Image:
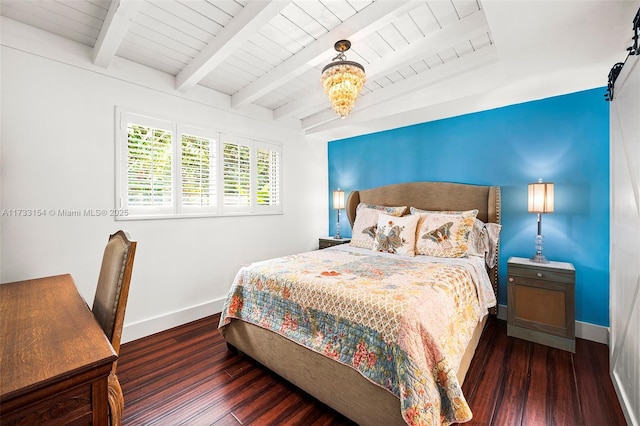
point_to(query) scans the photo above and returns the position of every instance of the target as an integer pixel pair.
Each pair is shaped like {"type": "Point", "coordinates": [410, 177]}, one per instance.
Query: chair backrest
{"type": "Point", "coordinates": [110, 301]}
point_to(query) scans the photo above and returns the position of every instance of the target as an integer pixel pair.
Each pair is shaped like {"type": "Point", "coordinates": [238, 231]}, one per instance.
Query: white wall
{"type": "Point", "coordinates": [57, 152]}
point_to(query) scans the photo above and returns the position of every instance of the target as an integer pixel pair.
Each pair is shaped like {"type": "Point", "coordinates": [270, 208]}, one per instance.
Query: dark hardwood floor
{"type": "Point", "coordinates": [186, 376]}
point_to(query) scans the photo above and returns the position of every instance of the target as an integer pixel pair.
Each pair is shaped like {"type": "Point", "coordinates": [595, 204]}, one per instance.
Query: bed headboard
{"type": "Point", "coordinates": [435, 196]}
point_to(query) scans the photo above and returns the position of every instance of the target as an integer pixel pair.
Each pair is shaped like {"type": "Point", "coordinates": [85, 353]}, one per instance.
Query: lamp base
{"type": "Point", "coordinates": [538, 258]}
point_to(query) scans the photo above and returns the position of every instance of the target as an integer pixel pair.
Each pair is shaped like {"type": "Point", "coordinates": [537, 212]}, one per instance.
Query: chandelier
{"type": "Point", "coordinates": [342, 80]}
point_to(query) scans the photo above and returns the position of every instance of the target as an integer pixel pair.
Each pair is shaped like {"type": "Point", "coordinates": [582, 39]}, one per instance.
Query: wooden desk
{"type": "Point", "coordinates": [54, 357]}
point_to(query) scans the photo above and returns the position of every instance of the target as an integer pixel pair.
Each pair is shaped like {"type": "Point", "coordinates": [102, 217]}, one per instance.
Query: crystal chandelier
{"type": "Point", "coordinates": [342, 80]}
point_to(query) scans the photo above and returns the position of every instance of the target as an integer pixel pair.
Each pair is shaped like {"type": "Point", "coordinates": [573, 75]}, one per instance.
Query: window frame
{"type": "Point", "coordinates": [178, 209]}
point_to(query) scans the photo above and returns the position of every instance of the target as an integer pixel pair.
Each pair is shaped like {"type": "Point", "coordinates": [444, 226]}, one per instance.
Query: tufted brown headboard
{"type": "Point", "coordinates": [435, 196]}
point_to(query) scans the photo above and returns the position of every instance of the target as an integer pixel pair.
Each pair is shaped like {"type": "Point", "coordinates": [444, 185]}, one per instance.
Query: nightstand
{"type": "Point", "coordinates": [325, 242]}
{"type": "Point", "coordinates": [541, 298]}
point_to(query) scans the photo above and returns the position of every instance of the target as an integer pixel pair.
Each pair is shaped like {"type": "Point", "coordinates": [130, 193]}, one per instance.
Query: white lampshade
{"type": "Point", "coordinates": [541, 197]}
{"type": "Point", "coordinates": [338, 199]}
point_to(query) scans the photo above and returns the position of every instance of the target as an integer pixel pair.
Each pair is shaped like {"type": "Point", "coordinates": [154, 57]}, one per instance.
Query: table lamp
{"type": "Point", "coordinates": [338, 203]}
{"type": "Point", "coordinates": [540, 201]}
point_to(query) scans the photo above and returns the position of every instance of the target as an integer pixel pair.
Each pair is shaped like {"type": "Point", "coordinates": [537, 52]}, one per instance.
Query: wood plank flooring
{"type": "Point", "coordinates": [186, 376]}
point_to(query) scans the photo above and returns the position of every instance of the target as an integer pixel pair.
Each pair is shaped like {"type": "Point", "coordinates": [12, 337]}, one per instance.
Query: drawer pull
{"type": "Point", "coordinates": [539, 274]}
{"type": "Point", "coordinates": [510, 279]}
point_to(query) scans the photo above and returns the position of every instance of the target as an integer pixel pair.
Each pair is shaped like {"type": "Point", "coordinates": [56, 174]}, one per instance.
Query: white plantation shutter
{"type": "Point", "coordinates": [267, 177]}
{"type": "Point", "coordinates": [149, 182]}
{"type": "Point", "coordinates": [168, 169]}
{"type": "Point", "coordinates": [236, 173]}
{"type": "Point", "coordinates": [198, 156]}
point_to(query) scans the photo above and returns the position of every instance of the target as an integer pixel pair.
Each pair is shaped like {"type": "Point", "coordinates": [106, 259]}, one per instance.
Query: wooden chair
{"type": "Point", "coordinates": [110, 303]}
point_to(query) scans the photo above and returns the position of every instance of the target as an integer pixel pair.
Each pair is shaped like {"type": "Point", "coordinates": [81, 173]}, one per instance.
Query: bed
{"type": "Point", "coordinates": [347, 376]}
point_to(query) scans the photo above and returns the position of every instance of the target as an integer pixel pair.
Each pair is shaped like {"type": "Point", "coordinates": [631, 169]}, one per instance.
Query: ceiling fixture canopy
{"type": "Point", "coordinates": [342, 80]}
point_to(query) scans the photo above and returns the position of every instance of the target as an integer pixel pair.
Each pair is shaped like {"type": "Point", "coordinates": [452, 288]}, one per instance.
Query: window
{"type": "Point", "coordinates": [268, 176]}
{"type": "Point", "coordinates": [149, 166]}
{"type": "Point", "coordinates": [168, 169]}
{"type": "Point", "coordinates": [236, 174]}
{"type": "Point", "coordinates": [198, 171]}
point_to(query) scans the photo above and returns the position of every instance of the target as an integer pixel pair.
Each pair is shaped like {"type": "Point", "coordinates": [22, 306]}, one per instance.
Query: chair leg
{"type": "Point", "coordinates": [116, 400]}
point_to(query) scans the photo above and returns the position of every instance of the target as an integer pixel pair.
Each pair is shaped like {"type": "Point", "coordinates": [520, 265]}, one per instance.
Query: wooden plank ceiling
{"type": "Point", "coordinates": [271, 53]}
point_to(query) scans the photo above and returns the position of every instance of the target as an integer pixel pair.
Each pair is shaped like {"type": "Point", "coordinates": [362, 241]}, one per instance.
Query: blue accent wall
{"type": "Point", "coordinates": [564, 139]}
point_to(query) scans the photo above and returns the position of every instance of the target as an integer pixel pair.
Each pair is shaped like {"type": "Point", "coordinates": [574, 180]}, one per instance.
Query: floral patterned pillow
{"type": "Point", "coordinates": [492, 231]}
{"type": "Point", "coordinates": [483, 241]}
{"type": "Point", "coordinates": [396, 235]}
{"type": "Point", "coordinates": [366, 224]}
{"type": "Point", "coordinates": [478, 239]}
{"type": "Point", "coordinates": [445, 234]}
{"type": "Point", "coordinates": [393, 211]}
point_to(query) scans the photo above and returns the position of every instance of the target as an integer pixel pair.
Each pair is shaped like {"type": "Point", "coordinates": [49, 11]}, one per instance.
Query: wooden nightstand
{"type": "Point", "coordinates": [542, 302]}
{"type": "Point", "coordinates": [325, 242]}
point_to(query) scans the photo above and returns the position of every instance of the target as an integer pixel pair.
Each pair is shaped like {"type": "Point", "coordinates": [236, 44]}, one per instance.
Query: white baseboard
{"type": "Point", "coordinates": [593, 332]}
{"type": "Point", "coordinates": [584, 330]}
{"type": "Point", "coordinates": [626, 402]}
{"type": "Point", "coordinates": [164, 322]}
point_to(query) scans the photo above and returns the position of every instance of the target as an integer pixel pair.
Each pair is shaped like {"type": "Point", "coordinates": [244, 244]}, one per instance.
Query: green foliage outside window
{"type": "Point", "coordinates": [198, 171]}
{"type": "Point", "coordinates": [237, 174]}
{"type": "Point", "coordinates": [162, 157]}
{"type": "Point", "coordinates": [149, 166]}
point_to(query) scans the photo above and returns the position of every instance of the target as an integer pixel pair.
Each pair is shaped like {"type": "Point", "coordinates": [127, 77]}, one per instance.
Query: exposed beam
{"type": "Point", "coordinates": [114, 29]}
{"type": "Point", "coordinates": [456, 33]}
{"type": "Point", "coordinates": [363, 23]}
{"type": "Point", "coordinates": [253, 16]}
{"type": "Point", "coordinates": [328, 119]}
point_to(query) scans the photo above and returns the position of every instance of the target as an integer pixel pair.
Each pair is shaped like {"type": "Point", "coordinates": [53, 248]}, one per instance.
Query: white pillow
{"type": "Point", "coordinates": [493, 234]}
{"type": "Point", "coordinates": [396, 235]}
{"type": "Point", "coordinates": [483, 241]}
{"type": "Point", "coordinates": [478, 239]}
{"type": "Point", "coordinates": [366, 223]}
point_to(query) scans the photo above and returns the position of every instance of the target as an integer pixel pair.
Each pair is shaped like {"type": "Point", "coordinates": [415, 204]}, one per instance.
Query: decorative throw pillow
{"type": "Point", "coordinates": [478, 239]}
{"type": "Point", "coordinates": [445, 234]}
{"type": "Point", "coordinates": [493, 235]}
{"type": "Point", "coordinates": [393, 211]}
{"type": "Point", "coordinates": [396, 234]}
{"type": "Point", "coordinates": [366, 223]}
{"type": "Point", "coordinates": [483, 241]}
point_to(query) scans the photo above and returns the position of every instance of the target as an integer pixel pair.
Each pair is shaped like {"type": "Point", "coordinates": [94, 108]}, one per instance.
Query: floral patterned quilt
{"type": "Point", "coordinates": [402, 322]}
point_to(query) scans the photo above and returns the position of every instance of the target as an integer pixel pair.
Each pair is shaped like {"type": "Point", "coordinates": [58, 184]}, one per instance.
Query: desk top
{"type": "Point", "coordinates": [47, 333]}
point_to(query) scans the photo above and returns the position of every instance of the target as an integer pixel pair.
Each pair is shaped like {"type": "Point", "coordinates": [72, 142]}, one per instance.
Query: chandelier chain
{"type": "Point", "coordinates": [340, 56]}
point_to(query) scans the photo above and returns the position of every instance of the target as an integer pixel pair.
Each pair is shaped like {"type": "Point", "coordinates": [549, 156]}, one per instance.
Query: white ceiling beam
{"type": "Point", "coordinates": [357, 27]}
{"type": "Point", "coordinates": [456, 33]}
{"type": "Point", "coordinates": [252, 17]}
{"type": "Point", "coordinates": [114, 29]}
{"type": "Point", "coordinates": [328, 119]}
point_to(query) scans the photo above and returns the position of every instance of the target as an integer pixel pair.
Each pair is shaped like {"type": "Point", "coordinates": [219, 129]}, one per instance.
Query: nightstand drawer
{"type": "Point", "coordinates": [547, 274]}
